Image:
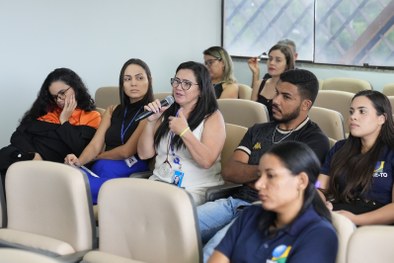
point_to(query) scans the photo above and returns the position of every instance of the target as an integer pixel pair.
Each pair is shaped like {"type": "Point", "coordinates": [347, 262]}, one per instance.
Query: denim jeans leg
{"type": "Point", "coordinates": [213, 216]}
{"type": "Point", "coordinates": [214, 241]}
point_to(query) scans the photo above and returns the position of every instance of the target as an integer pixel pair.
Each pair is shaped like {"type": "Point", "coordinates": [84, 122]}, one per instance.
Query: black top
{"type": "Point", "coordinates": [260, 137]}
{"type": "Point", "coordinates": [52, 141]}
{"type": "Point", "coordinates": [113, 136]}
{"type": "Point", "coordinates": [218, 90]}
{"type": "Point", "coordinates": [263, 100]}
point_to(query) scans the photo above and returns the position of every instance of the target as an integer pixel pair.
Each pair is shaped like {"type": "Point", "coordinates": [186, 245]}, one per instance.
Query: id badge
{"type": "Point", "coordinates": [165, 172]}
{"type": "Point", "coordinates": [177, 178]}
{"type": "Point", "coordinates": [131, 161]}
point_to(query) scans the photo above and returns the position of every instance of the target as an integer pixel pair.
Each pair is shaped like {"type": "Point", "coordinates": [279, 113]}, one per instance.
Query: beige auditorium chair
{"type": "Point", "coordinates": [146, 221]}
{"type": "Point", "coordinates": [49, 210]}
{"type": "Point", "coordinates": [11, 255]}
{"type": "Point", "coordinates": [344, 228]}
{"type": "Point", "coordinates": [107, 96]}
{"type": "Point", "coordinates": [388, 89]}
{"type": "Point", "coordinates": [372, 243]}
{"type": "Point", "coordinates": [321, 81]}
{"type": "Point", "coordinates": [244, 91]}
{"type": "Point", "coordinates": [234, 135]}
{"type": "Point", "coordinates": [3, 210]}
{"type": "Point", "coordinates": [243, 112]}
{"type": "Point", "coordinates": [391, 99]}
{"type": "Point", "coordinates": [346, 84]}
{"type": "Point", "coordinates": [335, 100]}
{"type": "Point", "coordinates": [330, 122]}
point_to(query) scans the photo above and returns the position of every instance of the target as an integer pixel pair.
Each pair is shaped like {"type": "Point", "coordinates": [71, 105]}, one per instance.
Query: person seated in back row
{"type": "Point", "coordinates": [295, 93]}
{"type": "Point", "coordinates": [280, 59]}
{"type": "Point", "coordinates": [118, 131]}
{"type": "Point", "coordinates": [187, 137]}
{"type": "Point", "coordinates": [220, 67]}
{"type": "Point", "coordinates": [357, 175]}
{"type": "Point", "coordinates": [291, 220]}
{"type": "Point", "coordinates": [61, 120]}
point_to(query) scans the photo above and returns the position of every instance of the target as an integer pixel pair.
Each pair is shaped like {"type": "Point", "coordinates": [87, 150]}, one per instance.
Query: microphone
{"type": "Point", "coordinates": [167, 101]}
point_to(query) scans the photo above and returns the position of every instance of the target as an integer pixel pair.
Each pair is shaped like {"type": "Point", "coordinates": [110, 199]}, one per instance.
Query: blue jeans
{"type": "Point", "coordinates": [214, 219]}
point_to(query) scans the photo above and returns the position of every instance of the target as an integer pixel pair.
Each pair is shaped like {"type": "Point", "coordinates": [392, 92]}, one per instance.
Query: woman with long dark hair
{"type": "Point", "coordinates": [357, 176]}
{"type": "Point", "coordinates": [291, 220]}
{"type": "Point", "coordinates": [118, 131]}
{"type": "Point", "coordinates": [61, 120]}
{"type": "Point", "coordinates": [187, 137]}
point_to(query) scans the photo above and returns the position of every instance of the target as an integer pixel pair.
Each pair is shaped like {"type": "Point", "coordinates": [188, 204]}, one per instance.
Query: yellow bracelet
{"type": "Point", "coordinates": [184, 131]}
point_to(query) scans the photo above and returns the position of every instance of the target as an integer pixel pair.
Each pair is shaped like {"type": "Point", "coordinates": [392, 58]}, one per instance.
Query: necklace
{"type": "Point", "coordinates": [285, 137]}
{"type": "Point", "coordinates": [290, 131]}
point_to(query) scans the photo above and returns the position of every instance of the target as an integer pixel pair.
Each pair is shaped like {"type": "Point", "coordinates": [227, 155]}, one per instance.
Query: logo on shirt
{"type": "Point", "coordinates": [378, 171]}
{"type": "Point", "coordinates": [280, 254]}
{"type": "Point", "coordinates": [257, 146]}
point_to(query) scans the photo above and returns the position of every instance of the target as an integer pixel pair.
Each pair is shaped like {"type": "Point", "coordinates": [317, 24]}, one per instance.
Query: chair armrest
{"type": "Point", "coordinates": [145, 174]}
{"type": "Point", "coordinates": [221, 191]}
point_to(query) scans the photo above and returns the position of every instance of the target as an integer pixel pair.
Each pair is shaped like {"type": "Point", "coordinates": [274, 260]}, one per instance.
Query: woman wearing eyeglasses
{"type": "Point", "coordinates": [119, 131]}
{"type": "Point", "coordinates": [61, 120]}
{"type": "Point", "coordinates": [188, 136]}
{"type": "Point", "coordinates": [220, 67]}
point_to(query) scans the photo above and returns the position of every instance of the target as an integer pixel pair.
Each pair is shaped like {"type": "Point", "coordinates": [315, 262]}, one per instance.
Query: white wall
{"type": "Point", "coordinates": [95, 38]}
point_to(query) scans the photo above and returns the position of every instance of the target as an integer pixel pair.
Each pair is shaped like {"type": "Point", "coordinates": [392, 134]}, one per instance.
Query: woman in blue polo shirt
{"type": "Point", "coordinates": [357, 176]}
{"type": "Point", "coordinates": [293, 220]}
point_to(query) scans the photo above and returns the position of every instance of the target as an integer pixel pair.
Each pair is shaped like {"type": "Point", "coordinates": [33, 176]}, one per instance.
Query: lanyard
{"type": "Point", "coordinates": [123, 129]}
{"type": "Point", "coordinates": [171, 145]}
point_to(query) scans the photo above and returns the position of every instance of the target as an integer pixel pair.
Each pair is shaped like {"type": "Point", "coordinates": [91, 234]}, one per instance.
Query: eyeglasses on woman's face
{"type": "Point", "coordinates": [210, 62]}
{"type": "Point", "coordinates": [185, 84]}
{"type": "Point", "coordinates": [60, 95]}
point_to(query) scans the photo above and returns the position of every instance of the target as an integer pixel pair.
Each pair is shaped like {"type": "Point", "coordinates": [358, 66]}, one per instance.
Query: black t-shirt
{"type": "Point", "coordinates": [260, 137]}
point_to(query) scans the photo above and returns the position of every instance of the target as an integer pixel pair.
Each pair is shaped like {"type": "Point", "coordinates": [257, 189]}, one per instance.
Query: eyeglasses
{"type": "Point", "coordinates": [210, 62]}
{"type": "Point", "coordinates": [60, 95]}
{"type": "Point", "coordinates": [185, 84]}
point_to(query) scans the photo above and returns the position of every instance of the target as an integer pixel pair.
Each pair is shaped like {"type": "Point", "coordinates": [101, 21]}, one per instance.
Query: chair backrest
{"type": "Point", "coordinates": [344, 228]}
{"type": "Point", "coordinates": [11, 255]}
{"type": "Point", "coordinates": [3, 207]}
{"type": "Point", "coordinates": [321, 81]}
{"type": "Point", "coordinates": [243, 112]}
{"type": "Point", "coordinates": [161, 95]}
{"type": "Point", "coordinates": [148, 221]}
{"type": "Point", "coordinates": [335, 100]}
{"type": "Point", "coordinates": [346, 84]}
{"type": "Point", "coordinates": [107, 96]}
{"type": "Point", "coordinates": [330, 121]}
{"type": "Point", "coordinates": [388, 89]}
{"type": "Point", "coordinates": [244, 91]}
{"type": "Point", "coordinates": [371, 244]}
{"type": "Point", "coordinates": [234, 135]}
{"type": "Point", "coordinates": [49, 208]}
{"type": "Point", "coordinates": [391, 99]}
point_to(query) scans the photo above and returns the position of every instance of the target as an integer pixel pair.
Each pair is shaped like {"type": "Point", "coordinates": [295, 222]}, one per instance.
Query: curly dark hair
{"type": "Point", "coordinates": [45, 103]}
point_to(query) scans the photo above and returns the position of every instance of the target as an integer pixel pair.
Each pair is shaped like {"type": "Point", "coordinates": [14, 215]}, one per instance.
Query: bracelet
{"type": "Point", "coordinates": [184, 131]}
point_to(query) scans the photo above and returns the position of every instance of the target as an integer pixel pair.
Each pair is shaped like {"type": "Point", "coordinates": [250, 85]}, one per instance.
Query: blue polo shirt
{"type": "Point", "coordinates": [382, 178]}
{"type": "Point", "coordinates": [309, 239]}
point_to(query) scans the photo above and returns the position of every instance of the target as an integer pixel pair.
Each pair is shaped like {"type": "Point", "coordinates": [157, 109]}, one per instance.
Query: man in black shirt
{"type": "Point", "coordinates": [295, 93]}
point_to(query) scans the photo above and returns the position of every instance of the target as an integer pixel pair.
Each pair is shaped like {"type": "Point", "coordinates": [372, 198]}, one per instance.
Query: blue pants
{"type": "Point", "coordinates": [214, 219]}
{"type": "Point", "coordinates": [110, 169]}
